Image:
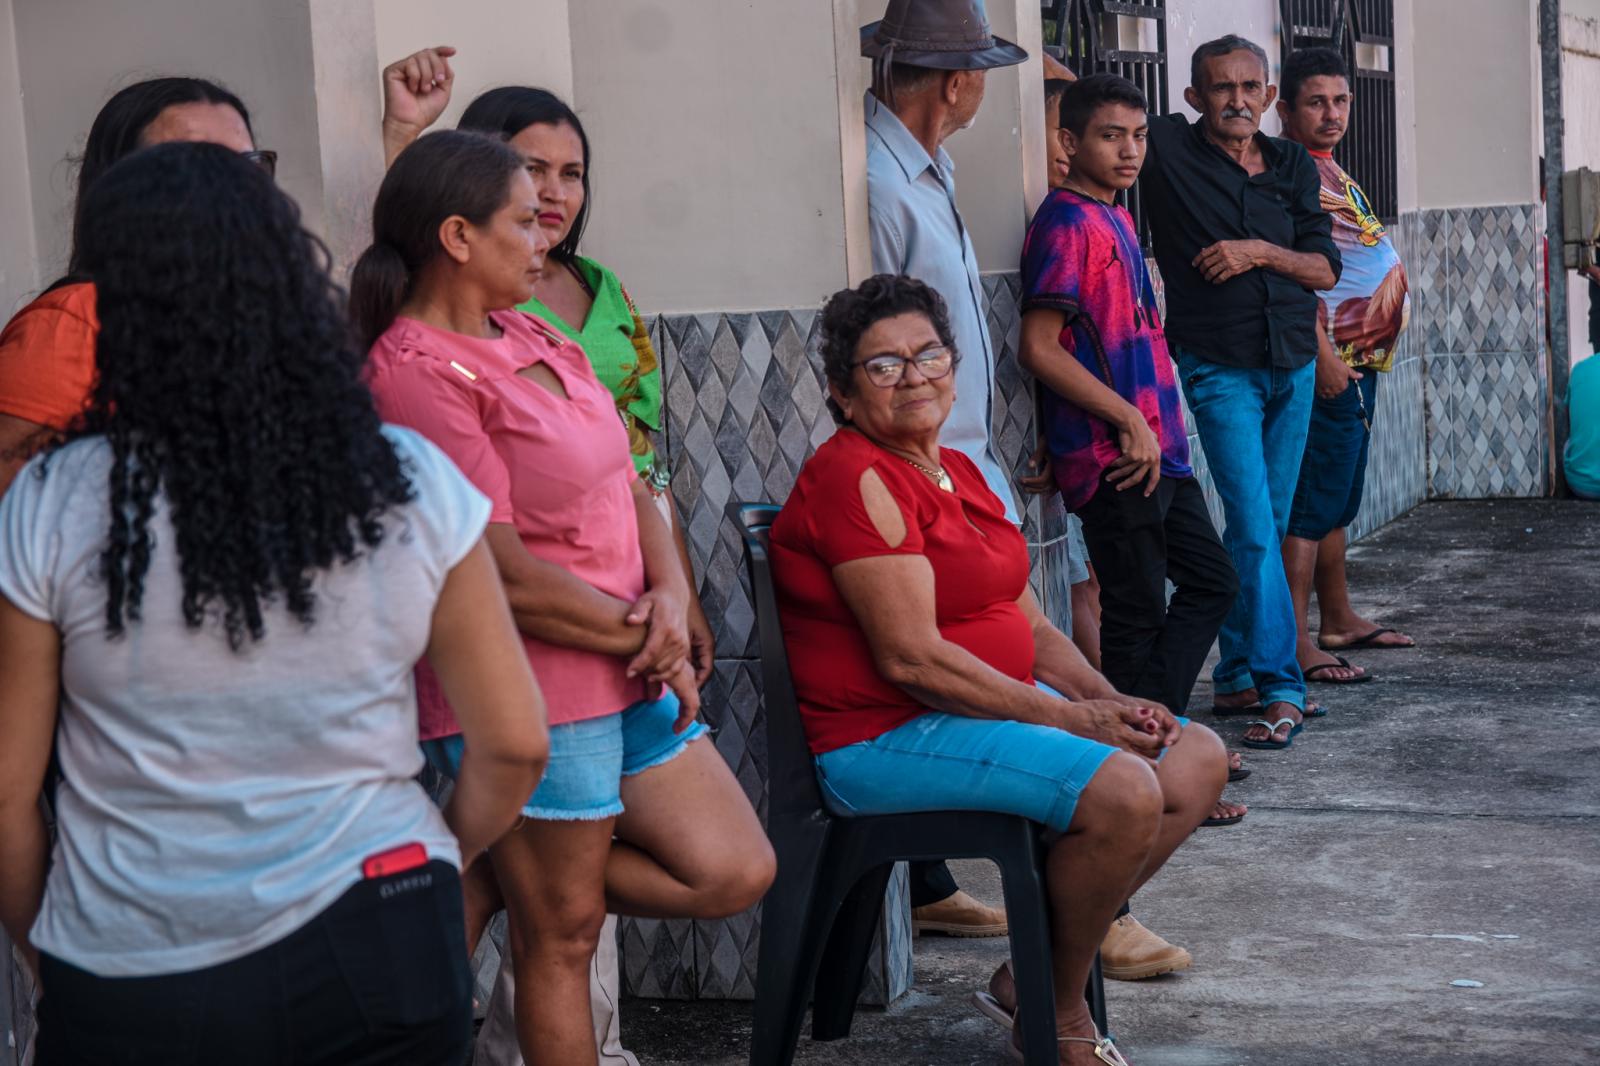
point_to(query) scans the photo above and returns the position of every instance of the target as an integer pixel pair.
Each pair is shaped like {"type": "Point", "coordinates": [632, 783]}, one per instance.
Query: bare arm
{"type": "Point", "coordinates": [18, 438]}
{"type": "Point", "coordinates": [1227, 259]}
{"type": "Point", "coordinates": [1043, 357]}
{"type": "Point", "coordinates": [416, 90]}
{"type": "Point", "coordinates": [1058, 662]}
{"type": "Point", "coordinates": [552, 604]}
{"type": "Point", "coordinates": [892, 597]}
{"type": "Point", "coordinates": [702, 642]}
{"type": "Point", "coordinates": [30, 661]}
{"type": "Point", "coordinates": [484, 673]}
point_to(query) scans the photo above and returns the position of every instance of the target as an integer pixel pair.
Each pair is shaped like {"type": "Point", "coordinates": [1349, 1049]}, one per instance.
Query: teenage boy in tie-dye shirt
{"type": "Point", "coordinates": [1092, 335]}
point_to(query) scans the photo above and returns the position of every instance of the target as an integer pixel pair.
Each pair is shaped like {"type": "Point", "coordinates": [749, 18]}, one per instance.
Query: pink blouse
{"type": "Point", "coordinates": [559, 470]}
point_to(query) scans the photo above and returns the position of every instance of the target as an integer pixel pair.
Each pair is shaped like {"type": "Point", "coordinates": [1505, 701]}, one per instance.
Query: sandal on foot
{"type": "Point", "coordinates": [1313, 709]}
{"type": "Point", "coordinates": [992, 1009]}
{"type": "Point", "coordinates": [1369, 642]}
{"type": "Point", "coordinates": [1240, 774]}
{"type": "Point", "coordinates": [1232, 819]}
{"type": "Point", "coordinates": [1311, 672]}
{"type": "Point", "coordinates": [1104, 1049]}
{"type": "Point", "coordinates": [1272, 744]}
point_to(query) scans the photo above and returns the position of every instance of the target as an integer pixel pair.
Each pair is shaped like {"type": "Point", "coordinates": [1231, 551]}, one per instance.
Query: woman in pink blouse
{"type": "Point", "coordinates": [591, 573]}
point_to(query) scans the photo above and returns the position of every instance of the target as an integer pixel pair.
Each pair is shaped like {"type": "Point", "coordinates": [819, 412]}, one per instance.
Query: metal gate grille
{"type": "Point", "coordinates": [1091, 37]}
{"type": "Point", "coordinates": [1363, 32]}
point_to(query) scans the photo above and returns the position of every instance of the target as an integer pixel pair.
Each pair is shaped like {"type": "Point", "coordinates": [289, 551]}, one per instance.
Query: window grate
{"type": "Point", "coordinates": [1363, 32]}
{"type": "Point", "coordinates": [1113, 37]}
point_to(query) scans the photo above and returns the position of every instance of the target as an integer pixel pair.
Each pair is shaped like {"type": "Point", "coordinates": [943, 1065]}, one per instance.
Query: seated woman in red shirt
{"type": "Point", "coordinates": [928, 677]}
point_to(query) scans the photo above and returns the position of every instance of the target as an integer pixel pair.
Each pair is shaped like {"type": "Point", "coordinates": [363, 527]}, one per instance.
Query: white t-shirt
{"type": "Point", "coordinates": [212, 801]}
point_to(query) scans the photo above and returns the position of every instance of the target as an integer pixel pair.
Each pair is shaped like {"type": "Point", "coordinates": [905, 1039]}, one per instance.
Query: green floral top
{"type": "Point", "coordinates": [618, 346]}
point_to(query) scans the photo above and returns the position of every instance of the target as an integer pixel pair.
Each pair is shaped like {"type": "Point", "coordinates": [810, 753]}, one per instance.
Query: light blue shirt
{"type": "Point", "coordinates": [1583, 445]}
{"type": "Point", "coordinates": [917, 230]}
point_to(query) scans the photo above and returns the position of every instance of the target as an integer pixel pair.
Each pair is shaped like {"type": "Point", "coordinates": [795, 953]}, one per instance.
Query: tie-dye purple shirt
{"type": "Point", "coordinates": [1082, 257]}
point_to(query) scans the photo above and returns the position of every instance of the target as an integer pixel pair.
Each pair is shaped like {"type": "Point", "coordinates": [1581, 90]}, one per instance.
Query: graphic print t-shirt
{"type": "Point", "coordinates": [1364, 313]}
{"type": "Point", "coordinates": [1082, 257]}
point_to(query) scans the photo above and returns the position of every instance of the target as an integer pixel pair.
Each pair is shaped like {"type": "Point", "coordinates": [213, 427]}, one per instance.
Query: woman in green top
{"type": "Point", "coordinates": [576, 294]}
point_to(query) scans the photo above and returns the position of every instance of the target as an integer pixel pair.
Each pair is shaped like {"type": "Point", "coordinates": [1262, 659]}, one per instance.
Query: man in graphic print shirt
{"type": "Point", "coordinates": [1359, 321]}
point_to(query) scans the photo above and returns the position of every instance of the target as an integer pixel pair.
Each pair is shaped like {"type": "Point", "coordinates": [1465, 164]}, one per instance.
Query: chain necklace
{"type": "Point", "coordinates": [938, 477]}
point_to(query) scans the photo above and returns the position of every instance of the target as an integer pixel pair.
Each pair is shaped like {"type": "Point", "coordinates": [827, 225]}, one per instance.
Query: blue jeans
{"type": "Point", "coordinates": [1253, 423]}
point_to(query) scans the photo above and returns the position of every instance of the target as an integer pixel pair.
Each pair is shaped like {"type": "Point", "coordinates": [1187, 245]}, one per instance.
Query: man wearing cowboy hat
{"type": "Point", "coordinates": [928, 63]}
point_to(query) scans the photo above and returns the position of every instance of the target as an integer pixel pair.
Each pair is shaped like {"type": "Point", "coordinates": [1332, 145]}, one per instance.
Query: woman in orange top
{"type": "Point", "coordinates": [47, 350]}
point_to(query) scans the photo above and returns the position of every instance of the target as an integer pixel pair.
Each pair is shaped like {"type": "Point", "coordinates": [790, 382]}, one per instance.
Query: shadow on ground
{"type": "Point", "coordinates": [1441, 824]}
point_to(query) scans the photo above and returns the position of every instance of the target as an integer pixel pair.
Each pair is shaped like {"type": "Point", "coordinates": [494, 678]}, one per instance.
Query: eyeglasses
{"type": "Point", "coordinates": [885, 371]}
{"type": "Point", "coordinates": [264, 158]}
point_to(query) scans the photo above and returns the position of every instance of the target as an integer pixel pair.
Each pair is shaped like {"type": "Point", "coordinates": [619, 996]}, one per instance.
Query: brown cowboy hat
{"type": "Point", "coordinates": [943, 34]}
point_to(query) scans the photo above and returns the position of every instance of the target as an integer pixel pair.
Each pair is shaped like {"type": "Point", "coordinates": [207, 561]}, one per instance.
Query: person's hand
{"type": "Point", "coordinates": [683, 685]}
{"type": "Point", "coordinates": [416, 91]}
{"type": "Point", "coordinates": [1592, 272]}
{"type": "Point", "coordinates": [1334, 377]}
{"type": "Point", "coordinates": [1118, 725]}
{"type": "Point", "coordinates": [1140, 460]}
{"type": "Point", "coordinates": [666, 641]}
{"type": "Point", "coordinates": [1227, 259]}
{"type": "Point", "coordinates": [1042, 481]}
{"type": "Point", "coordinates": [702, 642]}
{"type": "Point", "coordinates": [1153, 717]}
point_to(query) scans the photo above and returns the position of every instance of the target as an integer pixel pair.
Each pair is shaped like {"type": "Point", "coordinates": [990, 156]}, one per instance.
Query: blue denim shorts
{"type": "Point", "coordinates": [944, 762]}
{"type": "Point", "coordinates": [1333, 472]}
{"type": "Point", "coordinates": [589, 759]}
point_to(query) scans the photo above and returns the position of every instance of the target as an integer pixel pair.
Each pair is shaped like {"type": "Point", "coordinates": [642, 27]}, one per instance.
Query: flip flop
{"type": "Point", "coordinates": [1232, 819]}
{"type": "Point", "coordinates": [1312, 710]}
{"type": "Point", "coordinates": [1310, 673]}
{"type": "Point", "coordinates": [1272, 727]}
{"type": "Point", "coordinates": [1368, 642]}
{"type": "Point", "coordinates": [990, 1008]}
{"type": "Point", "coordinates": [1238, 775]}
{"type": "Point", "coordinates": [1104, 1049]}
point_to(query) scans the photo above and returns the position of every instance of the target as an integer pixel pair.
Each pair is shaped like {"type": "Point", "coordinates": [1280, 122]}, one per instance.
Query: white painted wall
{"type": "Point", "coordinates": [716, 142]}
{"type": "Point", "coordinates": [1191, 23]}
{"type": "Point", "coordinates": [1475, 85]}
{"type": "Point", "coordinates": [19, 277]}
{"type": "Point", "coordinates": [262, 51]}
{"type": "Point", "coordinates": [500, 42]}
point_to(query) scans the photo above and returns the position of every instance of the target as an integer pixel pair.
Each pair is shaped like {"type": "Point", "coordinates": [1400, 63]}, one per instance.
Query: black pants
{"type": "Point", "coordinates": [1149, 647]}
{"type": "Point", "coordinates": [381, 976]}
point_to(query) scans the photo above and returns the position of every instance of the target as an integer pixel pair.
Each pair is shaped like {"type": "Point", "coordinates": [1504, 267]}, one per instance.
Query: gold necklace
{"type": "Point", "coordinates": [938, 477]}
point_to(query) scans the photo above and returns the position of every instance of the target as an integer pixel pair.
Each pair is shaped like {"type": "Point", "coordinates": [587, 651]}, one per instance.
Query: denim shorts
{"type": "Point", "coordinates": [945, 762]}
{"type": "Point", "coordinates": [589, 759]}
{"type": "Point", "coordinates": [1077, 552]}
{"type": "Point", "coordinates": [1333, 472]}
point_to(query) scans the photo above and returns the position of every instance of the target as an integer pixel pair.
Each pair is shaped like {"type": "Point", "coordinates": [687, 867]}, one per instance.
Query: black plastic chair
{"type": "Point", "coordinates": [818, 919]}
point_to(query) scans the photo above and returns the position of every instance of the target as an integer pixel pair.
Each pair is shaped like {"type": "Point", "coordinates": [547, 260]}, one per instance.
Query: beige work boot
{"type": "Point", "coordinates": [959, 915]}
{"type": "Point", "coordinates": [1130, 952]}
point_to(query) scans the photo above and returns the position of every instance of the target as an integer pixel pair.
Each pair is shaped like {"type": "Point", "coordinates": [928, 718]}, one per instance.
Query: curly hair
{"type": "Point", "coordinates": [227, 387]}
{"type": "Point", "coordinates": [851, 312]}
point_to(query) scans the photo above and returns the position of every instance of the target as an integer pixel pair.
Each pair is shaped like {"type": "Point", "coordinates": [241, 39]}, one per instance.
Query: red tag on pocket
{"type": "Point", "coordinates": [395, 860]}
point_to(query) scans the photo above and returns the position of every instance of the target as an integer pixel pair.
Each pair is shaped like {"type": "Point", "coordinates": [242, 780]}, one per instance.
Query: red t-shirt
{"type": "Point", "coordinates": [980, 567]}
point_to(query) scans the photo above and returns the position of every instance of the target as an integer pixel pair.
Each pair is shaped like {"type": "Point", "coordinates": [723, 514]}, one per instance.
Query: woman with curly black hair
{"type": "Point", "coordinates": [593, 578]}
{"type": "Point", "coordinates": [226, 577]}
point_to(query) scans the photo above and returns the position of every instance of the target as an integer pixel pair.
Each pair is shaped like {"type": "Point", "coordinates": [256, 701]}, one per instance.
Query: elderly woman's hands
{"type": "Point", "coordinates": [1137, 728]}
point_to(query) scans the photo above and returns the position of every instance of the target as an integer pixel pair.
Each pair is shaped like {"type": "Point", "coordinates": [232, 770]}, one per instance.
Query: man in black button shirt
{"type": "Point", "coordinates": [1243, 245]}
